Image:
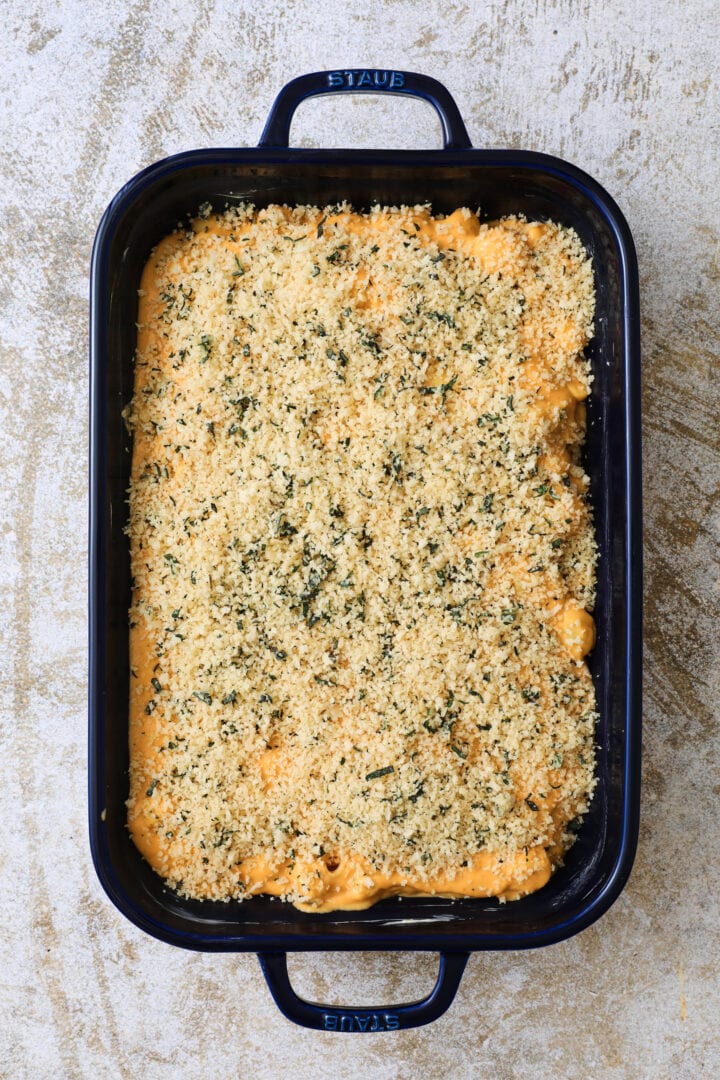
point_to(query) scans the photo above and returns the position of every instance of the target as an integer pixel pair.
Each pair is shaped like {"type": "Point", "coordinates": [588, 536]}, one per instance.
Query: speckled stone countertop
{"type": "Point", "coordinates": [93, 92]}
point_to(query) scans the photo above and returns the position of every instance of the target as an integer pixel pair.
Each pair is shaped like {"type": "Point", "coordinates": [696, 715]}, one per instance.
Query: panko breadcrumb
{"type": "Point", "coordinates": [363, 558]}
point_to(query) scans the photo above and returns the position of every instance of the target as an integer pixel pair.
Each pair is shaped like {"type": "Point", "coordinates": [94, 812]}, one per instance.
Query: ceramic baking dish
{"type": "Point", "coordinates": [499, 182]}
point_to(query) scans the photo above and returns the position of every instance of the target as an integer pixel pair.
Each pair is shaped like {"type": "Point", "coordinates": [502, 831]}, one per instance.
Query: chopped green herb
{"type": "Point", "coordinates": [284, 527]}
{"type": "Point", "coordinates": [336, 254]}
{"type": "Point", "coordinates": [172, 560]}
{"type": "Point", "coordinates": [380, 772]}
{"type": "Point", "coordinates": [443, 389]}
{"type": "Point", "coordinates": [206, 348]}
{"type": "Point", "coordinates": [441, 316]}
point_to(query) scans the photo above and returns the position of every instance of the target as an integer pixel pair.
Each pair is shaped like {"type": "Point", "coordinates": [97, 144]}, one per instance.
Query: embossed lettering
{"type": "Point", "coordinates": [390, 79]}
{"type": "Point", "coordinates": [354, 1022]}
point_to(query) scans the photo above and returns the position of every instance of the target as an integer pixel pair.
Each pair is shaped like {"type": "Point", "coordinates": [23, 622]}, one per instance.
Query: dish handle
{"type": "Point", "coordinates": [364, 81]}
{"type": "Point", "coordinates": [390, 1018]}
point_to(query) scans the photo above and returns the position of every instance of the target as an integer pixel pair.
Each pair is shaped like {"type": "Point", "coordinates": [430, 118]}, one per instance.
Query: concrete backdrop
{"type": "Point", "coordinates": [93, 92]}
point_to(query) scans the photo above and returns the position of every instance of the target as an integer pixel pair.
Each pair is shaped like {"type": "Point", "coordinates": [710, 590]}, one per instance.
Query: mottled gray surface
{"type": "Point", "coordinates": [91, 93]}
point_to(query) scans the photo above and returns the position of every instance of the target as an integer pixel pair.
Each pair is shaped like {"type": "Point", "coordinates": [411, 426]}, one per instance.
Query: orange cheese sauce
{"type": "Point", "coordinates": [552, 380]}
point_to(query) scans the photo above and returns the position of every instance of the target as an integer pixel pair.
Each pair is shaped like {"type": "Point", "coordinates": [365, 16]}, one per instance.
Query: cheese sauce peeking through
{"type": "Point", "coordinates": [363, 560]}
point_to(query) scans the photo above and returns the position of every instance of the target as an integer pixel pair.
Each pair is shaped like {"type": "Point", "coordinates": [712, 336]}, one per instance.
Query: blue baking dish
{"type": "Point", "coordinates": [499, 182]}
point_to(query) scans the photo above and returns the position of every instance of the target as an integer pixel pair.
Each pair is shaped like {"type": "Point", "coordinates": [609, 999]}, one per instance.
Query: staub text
{"type": "Point", "coordinates": [353, 1022]}
{"type": "Point", "coordinates": [383, 80]}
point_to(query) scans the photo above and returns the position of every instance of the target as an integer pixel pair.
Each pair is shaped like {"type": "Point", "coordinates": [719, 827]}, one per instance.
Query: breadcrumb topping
{"type": "Point", "coordinates": [362, 552]}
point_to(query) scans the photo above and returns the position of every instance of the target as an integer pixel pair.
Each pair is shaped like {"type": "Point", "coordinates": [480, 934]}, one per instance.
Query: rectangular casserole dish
{"type": "Point", "coordinates": [500, 183]}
